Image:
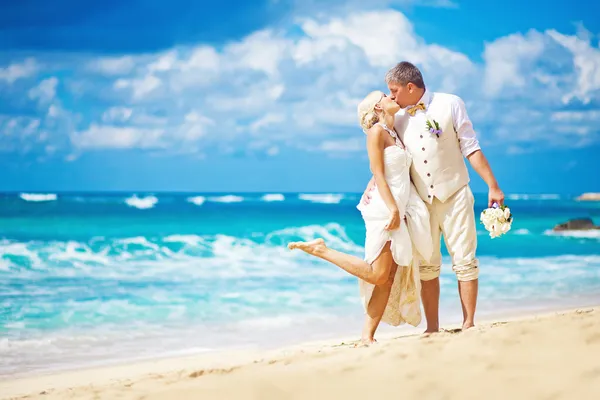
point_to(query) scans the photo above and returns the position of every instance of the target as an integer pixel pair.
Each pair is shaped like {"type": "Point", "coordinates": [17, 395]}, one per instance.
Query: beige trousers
{"type": "Point", "coordinates": [455, 220]}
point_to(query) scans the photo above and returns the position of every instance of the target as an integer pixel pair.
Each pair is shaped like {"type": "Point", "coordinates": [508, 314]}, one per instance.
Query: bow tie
{"type": "Point", "coordinates": [412, 110]}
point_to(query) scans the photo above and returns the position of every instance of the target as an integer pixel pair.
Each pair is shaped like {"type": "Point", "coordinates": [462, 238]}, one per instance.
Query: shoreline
{"type": "Point", "coordinates": [305, 332]}
{"type": "Point", "coordinates": [179, 370]}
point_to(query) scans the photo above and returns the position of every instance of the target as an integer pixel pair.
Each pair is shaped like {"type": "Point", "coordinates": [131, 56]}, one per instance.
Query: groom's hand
{"type": "Point", "coordinates": [495, 195]}
{"type": "Point", "coordinates": [366, 197]}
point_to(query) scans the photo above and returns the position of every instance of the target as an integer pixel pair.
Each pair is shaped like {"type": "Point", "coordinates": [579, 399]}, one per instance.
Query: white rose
{"type": "Point", "coordinates": [498, 213]}
{"type": "Point", "coordinates": [507, 213]}
{"type": "Point", "coordinates": [486, 220]}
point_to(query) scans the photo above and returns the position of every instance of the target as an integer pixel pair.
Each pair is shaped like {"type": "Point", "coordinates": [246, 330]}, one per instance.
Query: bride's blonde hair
{"type": "Point", "coordinates": [367, 115]}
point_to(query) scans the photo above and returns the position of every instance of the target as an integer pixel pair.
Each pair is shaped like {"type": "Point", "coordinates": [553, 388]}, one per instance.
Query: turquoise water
{"type": "Point", "coordinates": [109, 277]}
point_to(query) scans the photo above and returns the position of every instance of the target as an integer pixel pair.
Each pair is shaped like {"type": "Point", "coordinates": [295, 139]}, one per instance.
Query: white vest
{"type": "Point", "coordinates": [438, 168]}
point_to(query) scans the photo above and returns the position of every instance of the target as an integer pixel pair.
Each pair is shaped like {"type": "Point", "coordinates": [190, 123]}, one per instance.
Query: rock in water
{"type": "Point", "coordinates": [581, 224]}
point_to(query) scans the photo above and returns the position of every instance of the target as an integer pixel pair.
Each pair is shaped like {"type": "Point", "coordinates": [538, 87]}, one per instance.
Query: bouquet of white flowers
{"type": "Point", "coordinates": [497, 220]}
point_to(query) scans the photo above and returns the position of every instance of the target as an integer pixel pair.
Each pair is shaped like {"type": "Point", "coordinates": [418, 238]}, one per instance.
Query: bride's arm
{"type": "Point", "coordinates": [375, 147]}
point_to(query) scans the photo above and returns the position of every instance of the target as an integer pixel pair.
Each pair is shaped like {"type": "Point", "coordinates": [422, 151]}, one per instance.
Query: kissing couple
{"type": "Point", "coordinates": [417, 141]}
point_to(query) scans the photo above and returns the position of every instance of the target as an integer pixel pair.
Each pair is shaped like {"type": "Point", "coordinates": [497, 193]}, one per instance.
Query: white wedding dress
{"type": "Point", "coordinates": [410, 243]}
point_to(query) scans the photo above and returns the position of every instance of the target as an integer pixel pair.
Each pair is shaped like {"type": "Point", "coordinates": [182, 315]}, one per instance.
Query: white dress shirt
{"type": "Point", "coordinates": [467, 137]}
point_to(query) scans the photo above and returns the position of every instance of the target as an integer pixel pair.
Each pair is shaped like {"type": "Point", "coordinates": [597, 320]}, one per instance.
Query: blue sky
{"type": "Point", "coordinates": [261, 96]}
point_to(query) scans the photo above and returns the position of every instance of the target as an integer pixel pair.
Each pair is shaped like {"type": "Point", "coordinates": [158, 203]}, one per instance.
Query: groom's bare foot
{"type": "Point", "coordinates": [429, 332]}
{"type": "Point", "coordinates": [314, 247]}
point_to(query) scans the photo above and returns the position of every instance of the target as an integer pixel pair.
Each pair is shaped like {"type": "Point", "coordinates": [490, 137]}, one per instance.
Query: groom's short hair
{"type": "Point", "coordinates": [405, 72]}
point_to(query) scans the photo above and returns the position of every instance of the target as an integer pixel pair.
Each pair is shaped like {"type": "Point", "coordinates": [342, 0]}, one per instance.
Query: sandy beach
{"type": "Point", "coordinates": [549, 356]}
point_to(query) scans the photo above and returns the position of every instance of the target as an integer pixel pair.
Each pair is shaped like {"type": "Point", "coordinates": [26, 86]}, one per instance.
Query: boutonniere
{"type": "Point", "coordinates": [434, 127]}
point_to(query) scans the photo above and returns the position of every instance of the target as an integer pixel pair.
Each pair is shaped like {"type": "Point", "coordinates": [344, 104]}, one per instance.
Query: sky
{"type": "Point", "coordinates": [261, 96]}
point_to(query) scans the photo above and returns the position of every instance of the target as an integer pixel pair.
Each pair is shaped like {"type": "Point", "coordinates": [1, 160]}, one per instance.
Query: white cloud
{"type": "Point", "coordinates": [308, 50]}
{"type": "Point", "coordinates": [254, 100]}
{"type": "Point", "coordinates": [53, 111]}
{"type": "Point", "coordinates": [113, 65]}
{"type": "Point", "coordinates": [194, 127]}
{"type": "Point", "coordinates": [354, 144]}
{"type": "Point", "coordinates": [260, 147]}
{"type": "Point", "coordinates": [202, 58]}
{"type": "Point", "coordinates": [18, 126]}
{"type": "Point", "coordinates": [17, 71]}
{"type": "Point", "coordinates": [267, 120]}
{"type": "Point", "coordinates": [126, 128]}
{"type": "Point", "coordinates": [516, 150]}
{"type": "Point", "coordinates": [299, 87]}
{"type": "Point", "coordinates": [507, 60]}
{"type": "Point", "coordinates": [586, 60]}
{"type": "Point", "coordinates": [253, 85]}
{"type": "Point", "coordinates": [198, 67]}
{"type": "Point", "coordinates": [164, 62]}
{"type": "Point", "coordinates": [117, 114]}
{"type": "Point", "coordinates": [261, 51]}
{"type": "Point", "coordinates": [383, 37]}
{"type": "Point", "coordinates": [114, 137]}
{"type": "Point", "coordinates": [548, 67]}
{"type": "Point", "coordinates": [139, 118]}
{"type": "Point", "coordinates": [19, 134]}
{"type": "Point", "coordinates": [45, 91]}
{"type": "Point", "coordinates": [577, 116]}
{"type": "Point", "coordinates": [140, 87]}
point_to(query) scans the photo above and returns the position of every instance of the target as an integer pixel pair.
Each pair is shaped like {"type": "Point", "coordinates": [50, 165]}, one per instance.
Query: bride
{"type": "Point", "coordinates": [397, 227]}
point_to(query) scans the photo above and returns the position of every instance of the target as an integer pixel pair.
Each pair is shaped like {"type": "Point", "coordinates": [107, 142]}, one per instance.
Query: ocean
{"type": "Point", "coordinates": [101, 278]}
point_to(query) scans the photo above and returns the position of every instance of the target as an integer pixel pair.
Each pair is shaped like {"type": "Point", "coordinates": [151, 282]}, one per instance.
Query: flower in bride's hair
{"type": "Point", "coordinates": [368, 120]}
{"type": "Point", "coordinates": [367, 116]}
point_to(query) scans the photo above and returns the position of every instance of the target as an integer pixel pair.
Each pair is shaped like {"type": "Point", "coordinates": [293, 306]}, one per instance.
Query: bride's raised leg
{"type": "Point", "coordinates": [376, 273]}
{"type": "Point", "coordinates": [376, 308]}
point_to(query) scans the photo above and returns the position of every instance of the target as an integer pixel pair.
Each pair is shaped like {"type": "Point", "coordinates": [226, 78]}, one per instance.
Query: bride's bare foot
{"type": "Point", "coordinates": [366, 342]}
{"type": "Point", "coordinates": [314, 247]}
{"type": "Point", "coordinates": [468, 325]}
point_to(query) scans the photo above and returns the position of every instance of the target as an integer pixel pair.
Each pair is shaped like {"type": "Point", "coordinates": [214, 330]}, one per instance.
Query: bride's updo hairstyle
{"type": "Point", "coordinates": [367, 115]}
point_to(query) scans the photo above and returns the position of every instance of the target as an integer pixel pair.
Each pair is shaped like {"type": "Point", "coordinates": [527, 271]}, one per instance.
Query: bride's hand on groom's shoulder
{"type": "Point", "coordinates": [366, 197]}
{"type": "Point", "coordinates": [495, 195]}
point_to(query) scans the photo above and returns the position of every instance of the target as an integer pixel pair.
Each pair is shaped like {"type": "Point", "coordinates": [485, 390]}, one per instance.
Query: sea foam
{"type": "Point", "coordinates": [273, 197]}
{"type": "Point", "coordinates": [533, 197]}
{"type": "Point", "coordinates": [583, 234]}
{"type": "Point", "coordinates": [139, 296]}
{"type": "Point", "coordinates": [36, 197]}
{"type": "Point", "coordinates": [327, 198]}
{"type": "Point", "coordinates": [141, 203]}
{"type": "Point", "coordinates": [226, 199]}
{"type": "Point", "coordinates": [197, 200]}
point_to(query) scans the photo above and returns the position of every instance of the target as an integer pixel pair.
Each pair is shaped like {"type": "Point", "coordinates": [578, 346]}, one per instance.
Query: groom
{"type": "Point", "coordinates": [437, 131]}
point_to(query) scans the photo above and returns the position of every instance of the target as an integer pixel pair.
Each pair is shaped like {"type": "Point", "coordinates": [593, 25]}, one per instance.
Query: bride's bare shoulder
{"type": "Point", "coordinates": [375, 131]}
{"type": "Point", "coordinates": [375, 137]}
